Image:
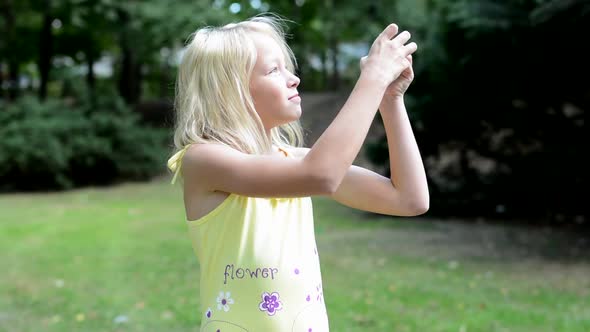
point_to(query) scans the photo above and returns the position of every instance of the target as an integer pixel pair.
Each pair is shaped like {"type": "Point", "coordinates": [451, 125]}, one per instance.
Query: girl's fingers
{"type": "Point", "coordinates": [402, 38]}
{"type": "Point", "coordinates": [409, 49]}
{"type": "Point", "coordinates": [389, 32]}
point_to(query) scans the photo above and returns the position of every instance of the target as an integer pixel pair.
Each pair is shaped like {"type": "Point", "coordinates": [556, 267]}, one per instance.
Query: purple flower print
{"type": "Point", "coordinates": [320, 293]}
{"type": "Point", "coordinates": [224, 300]}
{"type": "Point", "coordinates": [208, 313]}
{"type": "Point", "coordinates": [270, 303]}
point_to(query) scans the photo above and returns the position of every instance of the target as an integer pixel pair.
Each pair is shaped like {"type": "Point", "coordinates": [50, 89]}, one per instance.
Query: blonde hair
{"type": "Point", "coordinates": [213, 102]}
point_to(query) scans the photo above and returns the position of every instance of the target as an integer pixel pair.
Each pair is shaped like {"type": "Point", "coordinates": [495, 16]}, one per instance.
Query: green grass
{"type": "Point", "coordinates": [119, 259]}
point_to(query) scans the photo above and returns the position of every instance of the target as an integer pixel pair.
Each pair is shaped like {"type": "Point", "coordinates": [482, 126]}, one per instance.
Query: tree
{"type": "Point", "coordinates": [500, 90]}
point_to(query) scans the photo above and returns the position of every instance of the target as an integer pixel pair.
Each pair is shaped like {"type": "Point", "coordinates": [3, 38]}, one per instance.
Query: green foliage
{"type": "Point", "coordinates": [54, 145]}
{"type": "Point", "coordinates": [496, 82]}
{"type": "Point", "coordinates": [498, 114]}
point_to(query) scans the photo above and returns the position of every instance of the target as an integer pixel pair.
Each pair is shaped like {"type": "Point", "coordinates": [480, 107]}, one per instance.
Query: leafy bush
{"type": "Point", "coordinates": [54, 145]}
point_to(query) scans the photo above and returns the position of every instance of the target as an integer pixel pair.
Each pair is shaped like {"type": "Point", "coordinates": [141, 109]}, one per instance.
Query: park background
{"type": "Point", "coordinates": [92, 235]}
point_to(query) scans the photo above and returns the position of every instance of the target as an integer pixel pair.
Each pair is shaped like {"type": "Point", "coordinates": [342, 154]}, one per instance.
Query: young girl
{"type": "Point", "coordinates": [248, 181]}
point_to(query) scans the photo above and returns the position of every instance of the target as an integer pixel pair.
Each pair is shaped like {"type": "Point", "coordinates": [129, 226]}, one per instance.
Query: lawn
{"type": "Point", "coordinates": [119, 259]}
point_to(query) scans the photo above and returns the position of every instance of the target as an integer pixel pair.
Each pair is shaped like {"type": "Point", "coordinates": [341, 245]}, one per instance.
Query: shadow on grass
{"type": "Point", "coordinates": [499, 240]}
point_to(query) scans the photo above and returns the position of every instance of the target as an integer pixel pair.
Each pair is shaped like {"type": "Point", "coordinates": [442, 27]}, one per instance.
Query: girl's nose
{"type": "Point", "coordinates": [294, 81]}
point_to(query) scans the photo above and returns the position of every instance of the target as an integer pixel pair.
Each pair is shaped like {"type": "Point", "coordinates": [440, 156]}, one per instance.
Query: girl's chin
{"type": "Point", "coordinates": [290, 115]}
{"type": "Point", "coordinates": [293, 114]}
{"type": "Point", "coordinates": [296, 117]}
{"type": "Point", "coordinates": [289, 120]}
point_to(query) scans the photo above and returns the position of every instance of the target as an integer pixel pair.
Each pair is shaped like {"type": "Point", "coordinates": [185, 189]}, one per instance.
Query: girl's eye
{"type": "Point", "coordinates": [275, 69]}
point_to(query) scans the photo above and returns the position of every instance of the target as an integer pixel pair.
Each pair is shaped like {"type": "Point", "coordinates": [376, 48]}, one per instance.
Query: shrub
{"type": "Point", "coordinates": [53, 145]}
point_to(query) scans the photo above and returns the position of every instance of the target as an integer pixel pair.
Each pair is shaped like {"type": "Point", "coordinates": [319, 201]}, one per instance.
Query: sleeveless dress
{"type": "Point", "coordinates": [260, 269]}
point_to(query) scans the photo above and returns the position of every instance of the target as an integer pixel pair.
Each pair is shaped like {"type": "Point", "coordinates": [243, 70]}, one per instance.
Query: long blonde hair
{"type": "Point", "coordinates": [213, 102]}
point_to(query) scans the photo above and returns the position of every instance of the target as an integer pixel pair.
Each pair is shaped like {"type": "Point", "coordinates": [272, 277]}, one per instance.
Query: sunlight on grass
{"type": "Point", "coordinates": [119, 258]}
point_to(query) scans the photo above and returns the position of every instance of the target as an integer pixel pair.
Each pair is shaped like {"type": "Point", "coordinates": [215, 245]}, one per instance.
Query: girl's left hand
{"type": "Point", "coordinates": [398, 87]}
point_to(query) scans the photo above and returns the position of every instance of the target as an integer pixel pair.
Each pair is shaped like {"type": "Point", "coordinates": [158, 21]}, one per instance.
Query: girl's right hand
{"type": "Point", "coordinates": [388, 56]}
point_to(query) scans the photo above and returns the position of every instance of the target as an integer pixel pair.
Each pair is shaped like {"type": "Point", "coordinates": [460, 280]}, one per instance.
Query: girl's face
{"type": "Point", "coordinates": [272, 86]}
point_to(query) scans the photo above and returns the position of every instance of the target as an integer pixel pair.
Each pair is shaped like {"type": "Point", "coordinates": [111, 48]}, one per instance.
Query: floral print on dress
{"type": "Point", "coordinates": [208, 313]}
{"type": "Point", "coordinates": [319, 292]}
{"type": "Point", "coordinates": [270, 303]}
{"type": "Point", "coordinates": [224, 300]}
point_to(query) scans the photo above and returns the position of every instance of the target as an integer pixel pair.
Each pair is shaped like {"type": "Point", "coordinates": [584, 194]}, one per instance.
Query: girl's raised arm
{"type": "Point", "coordinates": [219, 168]}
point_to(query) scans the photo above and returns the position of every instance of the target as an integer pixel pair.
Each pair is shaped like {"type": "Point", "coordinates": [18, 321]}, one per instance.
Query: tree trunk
{"type": "Point", "coordinates": [2, 95]}
{"type": "Point", "coordinates": [7, 9]}
{"type": "Point", "coordinates": [335, 83]}
{"type": "Point", "coordinates": [90, 77]}
{"type": "Point", "coordinates": [130, 76]}
{"type": "Point", "coordinates": [45, 49]}
{"type": "Point", "coordinates": [324, 57]}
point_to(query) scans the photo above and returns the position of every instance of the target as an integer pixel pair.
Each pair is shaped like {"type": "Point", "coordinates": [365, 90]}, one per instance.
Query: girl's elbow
{"type": "Point", "coordinates": [324, 181]}
{"type": "Point", "coordinates": [419, 207]}
{"type": "Point", "coordinates": [329, 184]}
{"type": "Point", "coordinates": [318, 183]}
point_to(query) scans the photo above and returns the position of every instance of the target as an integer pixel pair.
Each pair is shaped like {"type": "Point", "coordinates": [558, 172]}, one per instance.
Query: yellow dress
{"type": "Point", "coordinates": [260, 269]}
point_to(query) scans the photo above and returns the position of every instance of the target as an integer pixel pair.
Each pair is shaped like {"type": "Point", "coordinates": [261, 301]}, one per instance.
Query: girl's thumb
{"type": "Point", "coordinates": [363, 60]}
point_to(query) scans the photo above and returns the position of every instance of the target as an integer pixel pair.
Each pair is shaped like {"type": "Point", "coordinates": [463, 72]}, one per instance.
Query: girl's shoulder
{"type": "Point", "coordinates": [199, 201]}
{"type": "Point", "coordinates": [196, 152]}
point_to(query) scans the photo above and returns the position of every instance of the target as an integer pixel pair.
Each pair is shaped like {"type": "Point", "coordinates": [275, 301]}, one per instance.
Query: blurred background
{"type": "Point", "coordinates": [497, 107]}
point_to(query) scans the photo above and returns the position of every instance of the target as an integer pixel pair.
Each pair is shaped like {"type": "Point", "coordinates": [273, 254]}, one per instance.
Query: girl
{"type": "Point", "coordinates": [248, 181]}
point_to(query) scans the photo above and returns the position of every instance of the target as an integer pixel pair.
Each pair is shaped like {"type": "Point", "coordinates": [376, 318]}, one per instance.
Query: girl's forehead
{"type": "Point", "coordinates": [267, 47]}
{"type": "Point", "coordinates": [263, 39]}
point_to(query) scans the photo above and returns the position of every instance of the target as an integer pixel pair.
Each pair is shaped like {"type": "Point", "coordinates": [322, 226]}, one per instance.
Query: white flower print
{"type": "Point", "coordinates": [224, 300]}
